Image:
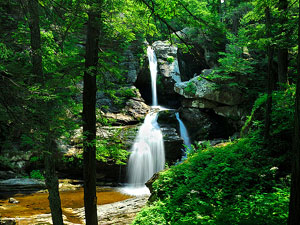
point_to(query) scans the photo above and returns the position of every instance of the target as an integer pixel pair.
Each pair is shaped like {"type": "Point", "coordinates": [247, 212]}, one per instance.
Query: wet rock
{"type": "Point", "coordinates": [7, 221]}
{"type": "Point", "coordinates": [172, 141]}
{"type": "Point", "coordinates": [24, 184]}
{"type": "Point", "coordinates": [151, 181]}
{"type": "Point", "coordinates": [203, 124]}
{"type": "Point", "coordinates": [13, 201]}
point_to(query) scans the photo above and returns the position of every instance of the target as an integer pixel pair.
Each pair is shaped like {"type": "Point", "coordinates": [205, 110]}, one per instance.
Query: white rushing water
{"type": "Point", "coordinates": [153, 72]}
{"type": "Point", "coordinates": [148, 153]}
{"type": "Point", "coordinates": [183, 132]}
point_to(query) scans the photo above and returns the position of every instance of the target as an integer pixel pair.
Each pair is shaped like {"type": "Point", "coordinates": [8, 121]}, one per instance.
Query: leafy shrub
{"type": "Point", "coordinates": [231, 184]}
{"type": "Point", "coordinates": [112, 148]}
{"type": "Point", "coordinates": [36, 174]}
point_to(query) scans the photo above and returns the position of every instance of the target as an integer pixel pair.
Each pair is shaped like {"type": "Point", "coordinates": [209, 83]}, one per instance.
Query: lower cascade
{"type": "Point", "coordinates": [148, 154]}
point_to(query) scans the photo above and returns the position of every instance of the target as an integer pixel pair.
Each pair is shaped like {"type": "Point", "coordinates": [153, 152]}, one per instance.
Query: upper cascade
{"type": "Point", "coordinates": [153, 71]}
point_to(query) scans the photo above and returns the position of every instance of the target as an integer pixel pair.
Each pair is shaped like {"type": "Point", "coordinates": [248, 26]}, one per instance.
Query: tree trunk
{"type": "Point", "coordinates": [270, 79]}
{"type": "Point", "coordinates": [51, 181]}
{"type": "Point", "coordinates": [282, 51]}
{"type": "Point", "coordinates": [294, 209]}
{"type": "Point", "coordinates": [35, 39]}
{"type": "Point", "coordinates": [51, 178]}
{"type": "Point", "coordinates": [89, 119]}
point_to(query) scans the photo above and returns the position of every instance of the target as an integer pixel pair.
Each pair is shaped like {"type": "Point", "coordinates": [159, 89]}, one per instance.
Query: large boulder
{"type": "Point", "coordinates": [223, 100]}
{"type": "Point", "coordinates": [204, 124]}
{"type": "Point", "coordinates": [131, 112]}
{"type": "Point", "coordinates": [21, 184]}
{"type": "Point", "coordinates": [201, 88]}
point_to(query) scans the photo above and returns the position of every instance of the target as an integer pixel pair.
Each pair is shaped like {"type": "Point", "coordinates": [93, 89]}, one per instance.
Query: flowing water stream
{"type": "Point", "coordinates": [147, 155]}
{"type": "Point", "coordinates": [184, 134]}
{"type": "Point", "coordinates": [153, 72]}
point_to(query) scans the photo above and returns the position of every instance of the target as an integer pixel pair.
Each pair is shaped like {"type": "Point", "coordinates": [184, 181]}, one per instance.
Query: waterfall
{"type": "Point", "coordinates": [147, 153]}
{"type": "Point", "coordinates": [183, 132]}
{"type": "Point", "coordinates": [153, 72]}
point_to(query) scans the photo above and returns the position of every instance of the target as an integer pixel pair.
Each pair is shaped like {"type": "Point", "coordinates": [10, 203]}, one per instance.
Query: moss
{"type": "Point", "coordinates": [170, 59]}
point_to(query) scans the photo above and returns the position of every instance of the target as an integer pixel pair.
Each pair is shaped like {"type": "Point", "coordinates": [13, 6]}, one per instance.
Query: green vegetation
{"type": "Point", "coordinates": [190, 88]}
{"type": "Point", "coordinates": [170, 59]}
{"type": "Point", "coordinates": [238, 182]}
{"type": "Point", "coordinates": [36, 174]}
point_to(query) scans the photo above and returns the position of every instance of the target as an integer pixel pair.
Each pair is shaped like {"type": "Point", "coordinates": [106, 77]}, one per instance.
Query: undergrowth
{"type": "Point", "coordinates": [240, 182]}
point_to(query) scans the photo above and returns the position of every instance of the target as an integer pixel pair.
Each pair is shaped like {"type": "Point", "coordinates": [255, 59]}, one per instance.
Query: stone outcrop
{"type": "Point", "coordinates": [168, 75]}
{"type": "Point", "coordinates": [133, 110]}
{"type": "Point", "coordinates": [201, 88]}
{"type": "Point", "coordinates": [172, 141]}
{"type": "Point", "coordinates": [204, 124]}
{"type": "Point", "coordinates": [122, 212]}
{"type": "Point", "coordinates": [223, 100]}
{"type": "Point", "coordinates": [16, 185]}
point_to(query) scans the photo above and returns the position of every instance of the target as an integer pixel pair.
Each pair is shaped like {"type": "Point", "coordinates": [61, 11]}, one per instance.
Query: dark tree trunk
{"type": "Point", "coordinates": [51, 181]}
{"type": "Point", "coordinates": [89, 119]}
{"type": "Point", "coordinates": [35, 39]}
{"type": "Point", "coordinates": [270, 79]}
{"type": "Point", "coordinates": [51, 178]}
{"type": "Point", "coordinates": [294, 209]}
{"type": "Point", "coordinates": [282, 51]}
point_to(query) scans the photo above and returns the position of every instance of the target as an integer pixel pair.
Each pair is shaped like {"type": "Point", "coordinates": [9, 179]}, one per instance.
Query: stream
{"type": "Point", "coordinates": [114, 207]}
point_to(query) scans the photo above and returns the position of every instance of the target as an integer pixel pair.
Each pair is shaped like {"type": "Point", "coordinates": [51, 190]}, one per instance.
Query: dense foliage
{"type": "Point", "coordinates": [238, 182]}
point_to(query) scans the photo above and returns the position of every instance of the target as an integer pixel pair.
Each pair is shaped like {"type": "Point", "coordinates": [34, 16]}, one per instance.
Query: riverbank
{"type": "Point", "coordinates": [114, 207]}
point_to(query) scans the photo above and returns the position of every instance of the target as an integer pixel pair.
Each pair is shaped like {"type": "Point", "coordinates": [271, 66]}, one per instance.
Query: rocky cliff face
{"type": "Point", "coordinates": [202, 94]}
{"type": "Point", "coordinates": [168, 75]}
{"type": "Point", "coordinates": [209, 111]}
{"type": "Point", "coordinates": [172, 140]}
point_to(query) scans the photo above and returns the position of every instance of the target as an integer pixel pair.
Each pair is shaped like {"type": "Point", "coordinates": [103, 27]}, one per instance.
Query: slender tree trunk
{"type": "Point", "coordinates": [89, 119]}
{"type": "Point", "coordinates": [270, 79]}
{"type": "Point", "coordinates": [282, 51]}
{"type": "Point", "coordinates": [294, 209]}
{"type": "Point", "coordinates": [51, 178]}
{"type": "Point", "coordinates": [52, 181]}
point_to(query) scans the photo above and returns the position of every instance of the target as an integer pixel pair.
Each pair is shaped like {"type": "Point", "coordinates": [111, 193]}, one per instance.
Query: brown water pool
{"type": "Point", "coordinates": [37, 203]}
